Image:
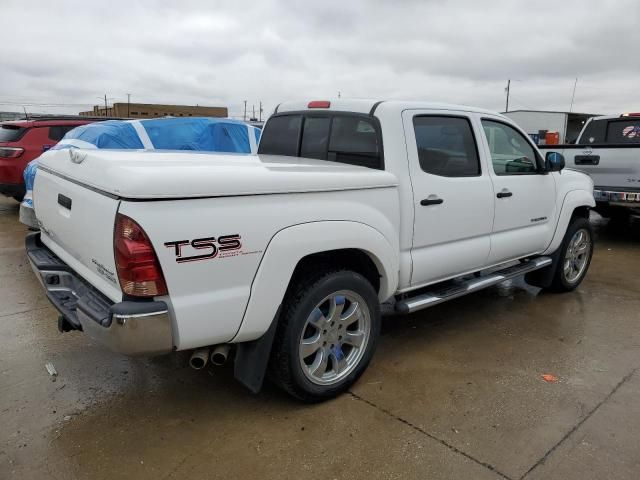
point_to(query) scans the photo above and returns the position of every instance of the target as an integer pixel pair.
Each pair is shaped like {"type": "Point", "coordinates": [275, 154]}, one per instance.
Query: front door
{"type": "Point", "coordinates": [525, 197]}
{"type": "Point", "coordinates": [452, 194]}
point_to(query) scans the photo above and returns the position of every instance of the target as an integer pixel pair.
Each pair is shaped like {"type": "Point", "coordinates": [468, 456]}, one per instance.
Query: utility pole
{"type": "Point", "coordinates": [253, 116]}
{"type": "Point", "coordinates": [244, 116]}
{"type": "Point", "coordinates": [574, 95]}
{"type": "Point", "coordinates": [128, 104]}
{"type": "Point", "coordinates": [105, 104]}
{"type": "Point", "coordinates": [260, 112]}
{"type": "Point", "coordinates": [507, 89]}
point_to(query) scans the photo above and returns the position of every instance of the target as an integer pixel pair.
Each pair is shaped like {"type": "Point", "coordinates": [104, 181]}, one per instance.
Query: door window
{"type": "Point", "coordinates": [511, 153]}
{"type": "Point", "coordinates": [446, 146]}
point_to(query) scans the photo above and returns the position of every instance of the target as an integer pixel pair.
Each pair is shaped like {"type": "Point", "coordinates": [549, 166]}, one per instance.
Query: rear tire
{"type": "Point", "coordinates": [327, 334]}
{"type": "Point", "coordinates": [575, 256]}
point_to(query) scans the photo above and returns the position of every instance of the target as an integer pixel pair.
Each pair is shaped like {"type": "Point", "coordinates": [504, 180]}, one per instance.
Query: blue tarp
{"type": "Point", "coordinates": [202, 134]}
{"type": "Point", "coordinates": [193, 133]}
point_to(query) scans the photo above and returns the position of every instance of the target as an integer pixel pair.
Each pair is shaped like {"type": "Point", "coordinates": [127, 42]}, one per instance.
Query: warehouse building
{"type": "Point", "coordinates": [150, 110]}
{"type": "Point", "coordinates": [537, 123]}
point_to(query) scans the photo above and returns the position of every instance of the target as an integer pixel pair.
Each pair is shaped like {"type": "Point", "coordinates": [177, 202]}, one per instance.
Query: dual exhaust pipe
{"type": "Point", "coordinates": [200, 358]}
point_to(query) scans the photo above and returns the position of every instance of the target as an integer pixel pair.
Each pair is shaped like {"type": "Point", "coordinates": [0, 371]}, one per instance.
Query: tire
{"type": "Point", "coordinates": [572, 266]}
{"type": "Point", "coordinates": [334, 317]}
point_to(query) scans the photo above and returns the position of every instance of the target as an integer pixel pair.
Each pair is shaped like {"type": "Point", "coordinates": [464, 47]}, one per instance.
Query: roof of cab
{"type": "Point", "coordinates": [366, 105]}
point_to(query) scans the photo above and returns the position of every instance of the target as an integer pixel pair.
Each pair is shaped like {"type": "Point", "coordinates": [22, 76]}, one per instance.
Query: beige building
{"type": "Point", "coordinates": [151, 110]}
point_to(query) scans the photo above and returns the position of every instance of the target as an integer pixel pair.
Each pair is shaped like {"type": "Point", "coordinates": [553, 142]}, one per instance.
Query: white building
{"type": "Point", "coordinates": [567, 124]}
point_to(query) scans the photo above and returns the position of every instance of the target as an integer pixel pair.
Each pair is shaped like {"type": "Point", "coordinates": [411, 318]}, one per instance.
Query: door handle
{"type": "Point", "coordinates": [587, 159]}
{"type": "Point", "coordinates": [431, 201]}
{"type": "Point", "coordinates": [504, 194]}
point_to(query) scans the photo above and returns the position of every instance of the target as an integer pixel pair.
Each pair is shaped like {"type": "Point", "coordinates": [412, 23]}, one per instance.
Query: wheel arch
{"type": "Point", "coordinates": [352, 245]}
{"type": "Point", "coordinates": [575, 203]}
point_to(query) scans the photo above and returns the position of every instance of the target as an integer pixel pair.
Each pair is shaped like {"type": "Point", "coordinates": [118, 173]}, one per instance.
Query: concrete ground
{"type": "Point", "coordinates": [454, 392]}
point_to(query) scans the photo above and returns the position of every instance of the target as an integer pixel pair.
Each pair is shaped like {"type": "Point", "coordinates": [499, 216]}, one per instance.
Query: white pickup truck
{"type": "Point", "coordinates": [608, 149]}
{"type": "Point", "coordinates": [289, 254]}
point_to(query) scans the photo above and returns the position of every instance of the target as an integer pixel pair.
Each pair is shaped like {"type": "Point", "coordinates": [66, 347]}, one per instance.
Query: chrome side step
{"type": "Point", "coordinates": [449, 292]}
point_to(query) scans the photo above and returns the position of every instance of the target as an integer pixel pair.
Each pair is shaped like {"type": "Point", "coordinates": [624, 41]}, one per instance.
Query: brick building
{"type": "Point", "coordinates": [151, 110]}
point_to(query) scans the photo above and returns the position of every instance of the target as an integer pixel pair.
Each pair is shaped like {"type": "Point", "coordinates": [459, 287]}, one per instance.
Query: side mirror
{"type": "Point", "coordinates": [554, 161]}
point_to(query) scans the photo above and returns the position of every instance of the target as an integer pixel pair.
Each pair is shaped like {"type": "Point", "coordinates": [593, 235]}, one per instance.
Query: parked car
{"type": "Point", "coordinates": [288, 254]}
{"type": "Point", "coordinates": [23, 140]}
{"type": "Point", "coordinates": [198, 134]}
{"type": "Point", "coordinates": [608, 149]}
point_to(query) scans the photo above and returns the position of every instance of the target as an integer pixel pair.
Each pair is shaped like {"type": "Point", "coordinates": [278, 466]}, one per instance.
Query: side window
{"type": "Point", "coordinates": [354, 141]}
{"type": "Point", "coordinates": [315, 136]}
{"type": "Point", "coordinates": [281, 136]}
{"type": "Point", "coordinates": [446, 146]}
{"type": "Point", "coordinates": [56, 133]}
{"type": "Point", "coordinates": [511, 153]}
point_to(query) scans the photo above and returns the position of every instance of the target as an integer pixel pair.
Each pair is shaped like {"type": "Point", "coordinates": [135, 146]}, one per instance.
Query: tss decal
{"type": "Point", "coordinates": [224, 243]}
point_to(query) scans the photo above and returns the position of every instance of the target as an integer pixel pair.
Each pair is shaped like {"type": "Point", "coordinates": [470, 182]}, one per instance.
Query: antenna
{"type": "Point", "coordinates": [26, 115]}
{"type": "Point", "coordinates": [506, 109]}
{"type": "Point", "coordinates": [574, 94]}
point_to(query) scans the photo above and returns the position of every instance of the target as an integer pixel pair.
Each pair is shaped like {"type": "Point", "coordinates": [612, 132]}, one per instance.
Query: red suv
{"type": "Point", "coordinates": [23, 140]}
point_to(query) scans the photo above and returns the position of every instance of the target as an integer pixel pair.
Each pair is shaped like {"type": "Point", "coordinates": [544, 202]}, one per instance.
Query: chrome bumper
{"type": "Point", "coordinates": [129, 327]}
{"type": "Point", "coordinates": [626, 199]}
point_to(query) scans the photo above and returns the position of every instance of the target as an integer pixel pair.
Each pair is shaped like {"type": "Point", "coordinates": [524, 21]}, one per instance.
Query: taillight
{"type": "Point", "coordinates": [319, 104]}
{"type": "Point", "coordinates": [11, 152]}
{"type": "Point", "coordinates": [138, 268]}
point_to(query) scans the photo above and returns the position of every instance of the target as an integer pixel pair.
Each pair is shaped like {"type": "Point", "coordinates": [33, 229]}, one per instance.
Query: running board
{"type": "Point", "coordinates": [449, 292]}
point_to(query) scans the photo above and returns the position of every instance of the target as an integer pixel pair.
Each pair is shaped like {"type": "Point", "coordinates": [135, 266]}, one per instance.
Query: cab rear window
{"type": "Point", "coordinates": [11, 133]}
{"type": "Point", "coordinates": [345, 138]}
{"type": "Point", "coordinates": [623, 131]}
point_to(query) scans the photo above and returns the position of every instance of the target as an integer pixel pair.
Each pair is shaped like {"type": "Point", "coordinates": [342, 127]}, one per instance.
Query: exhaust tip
{"type": "Point", "coordinates": [199, 359]}
{"type": "Point", "coordinates": [220, 354]}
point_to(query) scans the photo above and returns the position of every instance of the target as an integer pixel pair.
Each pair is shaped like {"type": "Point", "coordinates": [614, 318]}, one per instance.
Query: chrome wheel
{"type": "Point", "coordinates": [577, 255]}
{"type": "Point", "coordinates": [334, 337]}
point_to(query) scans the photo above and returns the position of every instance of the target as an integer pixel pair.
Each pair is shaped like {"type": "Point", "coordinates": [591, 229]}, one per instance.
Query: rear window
{"type": "Point", "coordinates": [344, 138]}
{"type": "Point", "coordinates": [280, 136]}
{"type": "Point", "coordinates": [594, 132]}
{"type": "Point", "coordinates": [11, 133]}
{"type": "Point", "coordinates": [623, 131]}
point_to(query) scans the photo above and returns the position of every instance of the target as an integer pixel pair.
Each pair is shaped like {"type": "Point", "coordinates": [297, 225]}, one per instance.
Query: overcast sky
{"type": "Point", "coordinates": [223, 52]}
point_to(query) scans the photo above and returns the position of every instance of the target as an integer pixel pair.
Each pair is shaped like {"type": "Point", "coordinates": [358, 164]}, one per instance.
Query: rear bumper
{"type": "Point", "coordinates": [129, 327]}
{"type": "Point", "coordinates": [12, 189]}
{"type": "Point", "coordinates": [621, 198]}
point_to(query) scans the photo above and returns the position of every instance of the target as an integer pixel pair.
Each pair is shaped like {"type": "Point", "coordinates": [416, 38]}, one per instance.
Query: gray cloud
{"type": "Point", "coordinates": [210, 53]}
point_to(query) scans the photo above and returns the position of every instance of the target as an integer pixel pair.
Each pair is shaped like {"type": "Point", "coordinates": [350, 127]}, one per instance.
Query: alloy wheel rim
{"type": "Point", "coordinates": [334, 337]}
{"type": "Point", "coordinates": [577, 255]}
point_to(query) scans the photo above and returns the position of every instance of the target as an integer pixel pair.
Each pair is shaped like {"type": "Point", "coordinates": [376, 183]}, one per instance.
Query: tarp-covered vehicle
{"type": "Point", "coordinates": [197, 134]}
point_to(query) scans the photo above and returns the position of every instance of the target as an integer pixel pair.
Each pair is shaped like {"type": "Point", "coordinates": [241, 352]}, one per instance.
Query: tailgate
{"type": "Point", "coordinates": [612, 168]}
{"type": "Point", "coordinates": [77, 225]}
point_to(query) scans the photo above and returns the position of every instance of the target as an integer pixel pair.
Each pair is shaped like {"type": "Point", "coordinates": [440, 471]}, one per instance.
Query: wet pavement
{"type": "Point", "coordinates": [455, 391]}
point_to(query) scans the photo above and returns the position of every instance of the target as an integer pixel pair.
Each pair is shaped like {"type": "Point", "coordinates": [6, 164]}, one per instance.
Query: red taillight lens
{"type": "Point", "coordinates": [11, 152]}
{"type": "Point", "coordinates": [319, 104]}
{"type": "Point", "coordinates": [138, 268]}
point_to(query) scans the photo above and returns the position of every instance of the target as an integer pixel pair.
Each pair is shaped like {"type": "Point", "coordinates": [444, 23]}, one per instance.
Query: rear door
{"type": "Point", "coordinates": [452, 193]}
{"type": "Point", "coordinates": [525, 196]}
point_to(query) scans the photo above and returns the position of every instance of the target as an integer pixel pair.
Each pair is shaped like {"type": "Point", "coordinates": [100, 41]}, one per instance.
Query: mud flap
{"type": "Point", "coordinates": [543, 278]}
{"type": "Point", "coordinates": [252, 358]}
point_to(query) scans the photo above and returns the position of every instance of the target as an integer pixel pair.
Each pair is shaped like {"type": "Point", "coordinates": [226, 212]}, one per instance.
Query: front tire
{"type": "Point", "coordinates": [575, 256]}
{"type": "Point", "coordinates": [326, 336]}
